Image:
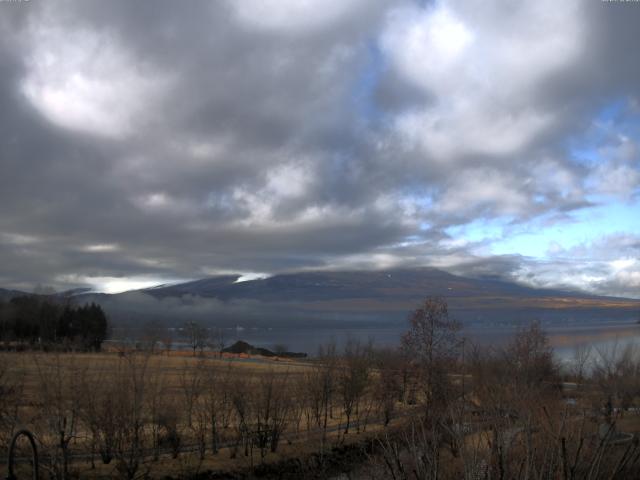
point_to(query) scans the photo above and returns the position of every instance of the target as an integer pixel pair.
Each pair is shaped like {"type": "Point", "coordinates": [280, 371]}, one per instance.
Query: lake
{"type": "Point", "coordinates": [564, 338]}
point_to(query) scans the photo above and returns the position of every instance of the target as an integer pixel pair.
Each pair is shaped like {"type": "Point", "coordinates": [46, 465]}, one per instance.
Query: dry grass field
{"type": "Point", "coordinates": [382, 414]}
{"type": "Point", "coordinates": [129, 414]}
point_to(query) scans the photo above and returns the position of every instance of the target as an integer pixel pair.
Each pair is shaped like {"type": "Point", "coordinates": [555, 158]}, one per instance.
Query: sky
{"type": "Point", "coordinates": [158, 141]}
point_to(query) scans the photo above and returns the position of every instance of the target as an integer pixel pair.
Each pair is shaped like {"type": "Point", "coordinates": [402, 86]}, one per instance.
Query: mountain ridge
{"type": "Point", "coordinates": [438, 281]}
{"type": "Point", "coordinates": [339, 297]}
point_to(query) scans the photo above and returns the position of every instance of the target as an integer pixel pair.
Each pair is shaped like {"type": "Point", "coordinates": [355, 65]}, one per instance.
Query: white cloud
{"type": "Point", "coordinates": [101, 247]}
{"type": "Point", "coordinates": [427, 45]}
{"type": "Point", "coordinates": [156, 200]}
{"type": "Point", "coordinates": [607, 266]}
{"type": "Point", "coordinates": [551, 177]}
{"type": "Point", "coordinates": [622, 264]}
{"type": "Point", "coordinates": [481, 71]}
{"type": "Point", "coordinates": [457, 127]}
{"type": "Point", "coordinates": [292, 16]}
{"type": "Point", "coordinates": [619, 181]}
{"type": "Point", "coordinates": [282, 183]}
{"type": "Point", "coordinates": [84, 80]}
{"type": "Point", "coordinates": [107, 284]}
{"type": "Point", "coordinates": [618, 173]}
{"type": "Point", "coordinates": [290, 180]}
{"type": "Point", "coordinates": [483, 191]}
{"type": "Point", "coordinates": [18, 239]}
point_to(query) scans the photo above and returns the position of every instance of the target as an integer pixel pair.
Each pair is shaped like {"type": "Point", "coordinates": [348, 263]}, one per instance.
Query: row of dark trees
{"type": "Point", "coordinates": [51, 321]}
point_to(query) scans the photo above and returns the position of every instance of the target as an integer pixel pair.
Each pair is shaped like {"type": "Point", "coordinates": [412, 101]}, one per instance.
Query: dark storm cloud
{"type": "Point", "coordinates": [162, 140]}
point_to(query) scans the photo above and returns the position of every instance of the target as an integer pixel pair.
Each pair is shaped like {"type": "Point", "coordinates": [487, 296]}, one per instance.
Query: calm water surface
{"type": "Point", "coordinates": [564, 338]}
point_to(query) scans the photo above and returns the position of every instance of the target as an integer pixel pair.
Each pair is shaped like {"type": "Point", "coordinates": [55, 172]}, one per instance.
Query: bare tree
{"type": "Point", "coordinates": [130, 408]}
{"type": "Point", "coordinates": [532, 357]}
{"type": "Point", "coordinates": [169, 422]}
{"type": "Point", "coordinates": [167, 340]}
{"type": "Point", "coordinates": [59, 388]}
{"type": "Point", "coordinates": [153, 332]}
{"type": "Point", "coordinates": [240, 399]}
{"type": "Point", "coordinates": [322, 382]}
{"type": "Point", "coordinates": [155, 404]}
{"type": "Point", "coordinates": [192, 386]}
{"type": "Point", "coordinates": [99, 412]}
{"type": "Point", "coordinates": [271, 405]}
{"type": "Point", "coordinates": [388, 385]}
{"type": "Point", "coordinates": [579, 366]}
{"type": "Point", "coordinates": [218, 340]}
{"type": "Point", "coordinates": [300, 405]}
{"type": "Point", "coordinates": [414, 454]}
{"type": "Point", "coordinates": [433, 343]}
{"type": "Point", "coordinates": [11, 389]}
{"type": "Point", "coordinates": [280, 349]}
{"type": "Point", "coordinates": [196, 336]}
{"type": "Point", "coordinates": [616, 369]}
{"type": "Point", "coordinates": [217, 401]}
{"type": "Point", "coordinates": [353, 378]}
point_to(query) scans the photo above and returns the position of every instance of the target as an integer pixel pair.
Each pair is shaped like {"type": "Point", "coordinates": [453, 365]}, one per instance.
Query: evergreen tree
{"type": "Point", "coordinates": [44, 320]}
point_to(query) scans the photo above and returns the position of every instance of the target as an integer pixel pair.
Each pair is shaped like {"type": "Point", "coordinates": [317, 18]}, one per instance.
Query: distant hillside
{"type": "Point", "coordinates": [322, 286]}
{"type": "Point", "coordinates": [346, 297]}
{"type": "Point", "coordinates": [391, 294]}
{"type": "Point", "coordinates": [202, 288]}
{"type": "Point", "coordinates": [395, 286]}
{"type": "Point", "coordinates": [7, 294]}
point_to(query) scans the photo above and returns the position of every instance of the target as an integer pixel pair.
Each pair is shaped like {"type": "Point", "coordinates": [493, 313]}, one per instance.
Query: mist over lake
{"type": "Point", "coordinates": [564, 338]}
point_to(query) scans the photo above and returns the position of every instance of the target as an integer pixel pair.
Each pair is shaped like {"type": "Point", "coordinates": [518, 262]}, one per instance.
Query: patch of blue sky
{"type": "Point", "coordinates": [539, 243]}
{"type": "Point", "coordinates": [613, 110]}
{"type": "Point", "coordinates": [588, 155]}
{"type": "Point", "coordinates": [480, 230]}
{"type": "Point", "coordinates": [617, 117]}
{"type": "Point", "coordinates": [581, 227]}
{"type": "Point", "coordinates": [363, 90]}
{"type": "Point", "coordinates": [546, 235]}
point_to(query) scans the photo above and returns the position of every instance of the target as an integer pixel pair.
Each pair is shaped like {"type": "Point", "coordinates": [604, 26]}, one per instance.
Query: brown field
{"type": "Point", "coordinates": [54, 390]}
{"type": "Point", "coordinates": [133, 415]}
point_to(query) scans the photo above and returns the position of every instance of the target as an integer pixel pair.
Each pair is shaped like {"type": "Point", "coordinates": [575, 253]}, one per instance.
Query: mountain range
{"type": "Point", "coordinates": [340, 298]}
